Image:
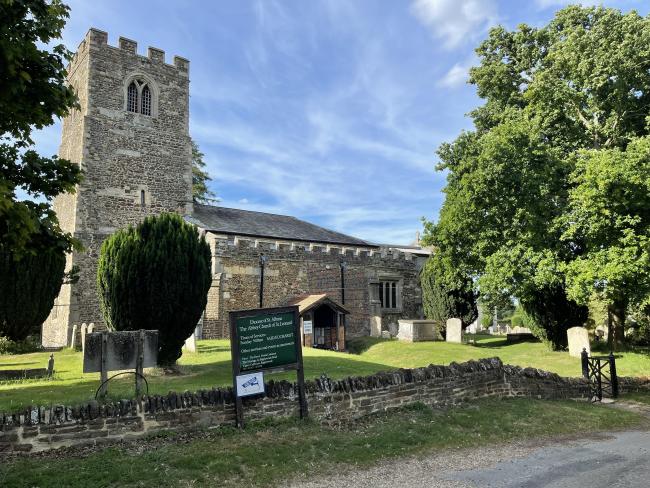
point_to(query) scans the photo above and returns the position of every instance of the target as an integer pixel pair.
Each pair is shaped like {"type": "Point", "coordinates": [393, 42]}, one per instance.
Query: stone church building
{"type": "Point", "coordinates": [130, 136]}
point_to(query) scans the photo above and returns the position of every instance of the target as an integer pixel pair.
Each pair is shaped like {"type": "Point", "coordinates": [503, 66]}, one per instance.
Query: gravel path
{"type": "Point", "coordinates": [619, 459]}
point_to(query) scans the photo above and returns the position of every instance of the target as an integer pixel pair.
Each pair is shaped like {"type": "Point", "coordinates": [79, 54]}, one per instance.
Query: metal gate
{"type": "Point", "coordinates": [601, 373]}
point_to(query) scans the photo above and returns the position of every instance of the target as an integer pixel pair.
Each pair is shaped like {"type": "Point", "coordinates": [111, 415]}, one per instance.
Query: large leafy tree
{"type": "Point", "coordinates": [200, 178]}
{"type": "Point", "coordinates": [445, 294]}
{"type": "Point", "coordinates": [32, 93]}
{"type": "Point", "coordinates": [155, 276]}
{"type": "Point", "coordinates": [580, 82]}
{"type": "Point", "coordinates": [609, 213]}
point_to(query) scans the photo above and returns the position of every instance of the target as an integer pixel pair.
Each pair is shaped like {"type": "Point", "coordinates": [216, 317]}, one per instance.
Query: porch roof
{"type": "Point", "coordinates": [309, 302]}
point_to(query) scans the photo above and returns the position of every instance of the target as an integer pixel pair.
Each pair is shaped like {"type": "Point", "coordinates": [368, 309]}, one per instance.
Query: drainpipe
{"type": "Point", "coordinates": [263, 260]}
{"type": "Point", "coordinates": [344, 265]}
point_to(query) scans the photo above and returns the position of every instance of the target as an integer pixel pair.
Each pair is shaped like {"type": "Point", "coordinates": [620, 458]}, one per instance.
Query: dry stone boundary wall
{"type": "Point", "coordinates": [330, 401]}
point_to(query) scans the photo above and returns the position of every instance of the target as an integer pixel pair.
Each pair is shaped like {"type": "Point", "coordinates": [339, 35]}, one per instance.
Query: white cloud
{"type": "Point", "coordinates": [456, 76]}
{"type": "Point", "coordinates": [562, 3]}
{"type": "Point", "coordinates": [455, 21]}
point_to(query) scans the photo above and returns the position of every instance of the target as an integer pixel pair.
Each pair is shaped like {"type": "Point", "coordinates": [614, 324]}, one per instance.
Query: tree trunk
{"type": "Point", "coordinates": [616, 319]}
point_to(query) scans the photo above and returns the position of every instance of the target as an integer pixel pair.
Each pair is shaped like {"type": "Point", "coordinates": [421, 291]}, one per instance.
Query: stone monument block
{"type": "Point", "coordinates": [418, 330]}
{"type": "Point", "coordinates": [454, 331]}
{"type": "Point", "coordinates": [578, 339]}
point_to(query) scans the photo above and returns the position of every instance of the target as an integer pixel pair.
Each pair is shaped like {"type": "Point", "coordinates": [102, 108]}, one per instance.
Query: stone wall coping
{"type": "Point", "coordinates": [59, 414]}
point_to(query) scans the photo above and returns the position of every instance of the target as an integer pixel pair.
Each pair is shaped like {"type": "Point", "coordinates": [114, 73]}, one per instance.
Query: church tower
{"type": "Point", "coordinates": [130, 137]}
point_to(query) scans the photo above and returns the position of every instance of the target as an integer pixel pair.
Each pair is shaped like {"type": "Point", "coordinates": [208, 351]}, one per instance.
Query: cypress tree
{"type": "Point", "coordinates": [447, 295]}
{"type": "Point", "coordinates": [29, 283]}
{"type": "Point", "coordinates": [155, 276]}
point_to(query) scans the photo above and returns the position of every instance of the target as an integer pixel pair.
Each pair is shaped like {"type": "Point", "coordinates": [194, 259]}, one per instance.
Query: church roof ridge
{"type": "Point", "coordinates": [236, 221]}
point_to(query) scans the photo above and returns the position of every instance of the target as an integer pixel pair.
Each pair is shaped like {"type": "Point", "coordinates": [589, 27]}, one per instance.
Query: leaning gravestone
{"type": "Point", "coordinates": [578, 338]}
{"type": "Point", "coordinates": [454, 330]}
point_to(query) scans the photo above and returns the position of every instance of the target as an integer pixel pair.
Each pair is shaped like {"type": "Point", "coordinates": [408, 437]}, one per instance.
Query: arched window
{"type": "Point", "coordinates": [146, 100]}
{"type": "Point", "coordinates": [132, 98]}
{"type": "Point", "coordinates": [141, 95]}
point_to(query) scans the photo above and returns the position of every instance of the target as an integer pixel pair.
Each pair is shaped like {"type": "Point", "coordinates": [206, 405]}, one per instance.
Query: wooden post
{"type": "Point", "coordinates": [302, 397]}
{"type": "Point", "coordinates": [612, 374]}
{"type": "Point", "coordinates": [139, 362]}
{"type": "Point", "coordinates": [104, 372]}
{"type": "Point", "coordinates": [234, 338]}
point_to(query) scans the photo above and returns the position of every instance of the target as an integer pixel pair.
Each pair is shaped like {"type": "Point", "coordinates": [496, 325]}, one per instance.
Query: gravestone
{"type": "Point", "coordinates": [73, 339]}
{"type": "Point", "coordinates": [454, 331]}
{"type": "Point", "coordinates": [385, 334]}
{"type": "Point", "coordinates": [91, 328]}
{"type": "Point", "coordinates": [393, 328]}
{"type": "Point", "coordinates": [190, 343]}
{"type": "Point", "coordinates": [84, 331]}
{"type": "Point", "coordinates": [578, 338]}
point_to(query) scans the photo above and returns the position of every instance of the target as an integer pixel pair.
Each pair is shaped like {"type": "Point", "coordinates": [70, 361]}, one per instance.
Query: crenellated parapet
{"type": "Point", "coordinates": [98, 39]}
{"type": "Point", "coordinates": [226, 244]}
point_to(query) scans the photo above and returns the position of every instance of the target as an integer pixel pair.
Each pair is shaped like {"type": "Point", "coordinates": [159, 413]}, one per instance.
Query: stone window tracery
{"type": "Point", "coordinates": [132, 100]}
{"type": "Point", "coordinates": [141, 96]}
{"type": "Point", "coordinates": [146, 100]}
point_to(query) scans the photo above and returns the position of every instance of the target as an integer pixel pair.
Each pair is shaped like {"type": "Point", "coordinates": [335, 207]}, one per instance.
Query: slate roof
{"type": "Point", "coordinates": [308, 302]}
{"type": "Point", "coordinates": [259, 224]}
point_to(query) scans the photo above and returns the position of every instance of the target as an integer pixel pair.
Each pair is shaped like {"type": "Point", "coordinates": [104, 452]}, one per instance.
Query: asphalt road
{"type": "Point", "coordinates": [609, 460]}
{"type": "Point", "coordinates": [621, 461]}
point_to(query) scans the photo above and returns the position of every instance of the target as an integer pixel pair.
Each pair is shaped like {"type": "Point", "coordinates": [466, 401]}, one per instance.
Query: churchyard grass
{"type": "Point", "coordinates": [211, 367]}
{"type": "Point", "coordinates": [271, 452]}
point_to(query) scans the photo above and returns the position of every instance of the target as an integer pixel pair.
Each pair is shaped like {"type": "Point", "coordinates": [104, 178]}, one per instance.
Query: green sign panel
{"type": "Point", "coordinates": [266, 341]}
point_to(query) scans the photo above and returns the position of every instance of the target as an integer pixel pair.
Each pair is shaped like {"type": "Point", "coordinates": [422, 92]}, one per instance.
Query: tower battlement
{"type": "Point", "coordinates": [98, 39]}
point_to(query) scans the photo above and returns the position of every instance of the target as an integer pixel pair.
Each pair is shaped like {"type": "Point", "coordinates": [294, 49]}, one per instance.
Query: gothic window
{"type": "Point", "coordinates": [132, 98]}
{"type": "Point", "coordinates": [140, 97]}
{"type": "Point", "coordinates": [146, 100]}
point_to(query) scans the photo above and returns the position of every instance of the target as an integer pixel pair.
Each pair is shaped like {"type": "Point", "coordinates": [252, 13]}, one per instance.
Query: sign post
{"type": "Point", "coordinates": [264, 340]}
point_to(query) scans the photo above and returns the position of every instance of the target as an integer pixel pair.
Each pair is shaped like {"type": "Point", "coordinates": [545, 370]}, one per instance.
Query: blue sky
{"type": "Point", "coordinates": [330, 111]}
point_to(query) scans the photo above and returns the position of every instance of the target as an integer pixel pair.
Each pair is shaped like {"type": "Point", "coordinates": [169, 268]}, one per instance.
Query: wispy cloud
{"type": "Point", "coordinates": [456, 21]}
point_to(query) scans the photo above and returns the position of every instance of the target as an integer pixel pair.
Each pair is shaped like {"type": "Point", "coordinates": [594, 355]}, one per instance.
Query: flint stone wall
{"type": "Point", "coordinates": [330, 401]}
{"type": "Point", "coordinates": [295, 269]}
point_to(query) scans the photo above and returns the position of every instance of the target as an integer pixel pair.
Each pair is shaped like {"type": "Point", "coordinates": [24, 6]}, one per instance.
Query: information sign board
{"type": "Point", "coordinates": [265, 339]}
{"type": "Point", "coordinates": [307, 326]}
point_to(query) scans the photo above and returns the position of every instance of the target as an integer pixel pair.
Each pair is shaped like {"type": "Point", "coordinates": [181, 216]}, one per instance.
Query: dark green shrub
{"type": "Point", "coordinates": [155, 276]}
{"type": "Point", "coordinates": [28, 287]}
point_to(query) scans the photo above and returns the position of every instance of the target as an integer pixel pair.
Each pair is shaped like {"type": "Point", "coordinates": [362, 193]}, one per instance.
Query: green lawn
{"type": "Point", "coordinates": [211, 367]}
{"type": "Point", "coordinates": [273, 452]}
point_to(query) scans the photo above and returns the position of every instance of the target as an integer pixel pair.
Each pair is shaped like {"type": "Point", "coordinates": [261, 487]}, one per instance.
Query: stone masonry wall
{"type": "Point", "coordinates": [122, 154]}
{"type": "Point", "coordinates": [294, 269]}
{"type": "Point", "coordinates": [330, 401]}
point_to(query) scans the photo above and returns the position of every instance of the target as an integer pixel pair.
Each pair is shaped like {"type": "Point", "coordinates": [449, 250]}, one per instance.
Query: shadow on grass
{"type": "Point", "coordinates": [203, 376]}
{"type": "Point", "coordinates": [359, 345]}
{"type": "Point", "coordinates": [210, 348]}
{"type": "Point", "coordinates": [22, 365]}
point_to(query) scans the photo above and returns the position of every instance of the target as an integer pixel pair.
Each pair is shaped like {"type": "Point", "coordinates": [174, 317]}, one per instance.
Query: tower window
{"type": "Point", "coordinates": [132, 100]}
{"type": "Point", "coordinates": [146, 100]}
{"type": "Point", "coordinates": [142, 199]}
{"type": "Point", "coordinates": [140, 97]}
